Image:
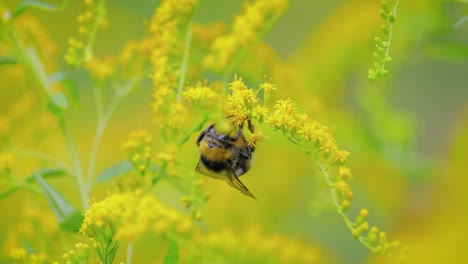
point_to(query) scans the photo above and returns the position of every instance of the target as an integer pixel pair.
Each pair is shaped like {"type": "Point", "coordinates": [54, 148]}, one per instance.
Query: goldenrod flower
{"type": "Point", "coordinates": [101, 68]}
{"type": "Point", "coordinates": [130, 215]}
{"type": "Point", "coordinates": [245, 30]}
{"type": "Point", "coordinates": [21, 256]}
{"type": "Point", "coordinates": [139, 147]}
{"type": "Point", "coordinates": [246, 247]}
{"type": "Point", "coordinates": [200, 94]}
{"type": "Point", "coordinates": [80, 48]}
{"type": "Point", "coordinates": [164, 39]}
{"type": "Point", "coordinates": [80, 254]}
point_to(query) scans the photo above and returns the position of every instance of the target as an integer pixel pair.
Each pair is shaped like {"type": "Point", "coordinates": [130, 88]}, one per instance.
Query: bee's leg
{"type": "Point", "coordinates": [239, 132]}
{"type": "Point", "coordinates": [250, 125]}
{"type": "Point", "coordinates": [247, 155]}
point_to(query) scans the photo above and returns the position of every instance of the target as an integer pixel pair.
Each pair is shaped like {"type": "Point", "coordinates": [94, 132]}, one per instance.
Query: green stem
{"type": "Point", "coordinates": [102, 121]}
{"type": "Point", "coordinates": [129, 253]}
{"type": "Point", "coordinates": [348, 222]}
{"type": "Point", "coordinates": [183, 68]}
{"type": "Point", "coordinates": [45, 157]}
{"type": "Point", "coordinates": [32, 61]}
{"type": "Point", "coordinates": [390, 35]}
{"type": "Point", "coordinates": [79, 177]}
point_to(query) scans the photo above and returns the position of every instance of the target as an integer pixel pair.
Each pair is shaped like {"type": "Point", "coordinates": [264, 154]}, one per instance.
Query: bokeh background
{"type": "Point", "coordinates": [407, 133]}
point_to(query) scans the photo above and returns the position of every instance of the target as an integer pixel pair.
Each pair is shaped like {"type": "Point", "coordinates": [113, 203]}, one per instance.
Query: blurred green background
{"type": "Point", "coordinates": [407, 133]}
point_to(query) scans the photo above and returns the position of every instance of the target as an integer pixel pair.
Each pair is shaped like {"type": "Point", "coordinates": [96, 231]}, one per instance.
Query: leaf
{"type": "Point", "coordinates": [37, 4]}
{"type": "Point", "coordinates": [70, 86]}
{"type": "Point", "coordinates": [114, 171]}
{"type": "Point", "coordinates": [172, 255]}
{"type": "Point", "coordinates": [46, 173]}
{"type": "Point", "coordinates": [68, 217]}
{"type": "Point", "coordinates": [4, 60]}
{"type": "Point", "coordinates": [67, 82]}
{"type": "Point", "coordinates": [111, 253]}
{"type": "Point", "coordinates": [8, 192]}
{"type": "Point", "coordinates": [59, 100]}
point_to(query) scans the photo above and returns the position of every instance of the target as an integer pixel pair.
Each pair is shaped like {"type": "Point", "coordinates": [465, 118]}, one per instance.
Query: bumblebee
{"type": "Point", "coordinates": [225, 155]}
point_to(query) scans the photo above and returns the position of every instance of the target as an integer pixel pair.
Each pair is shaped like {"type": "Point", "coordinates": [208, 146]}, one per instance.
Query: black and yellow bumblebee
{"type": "Point", "coordinates": [225, 154]}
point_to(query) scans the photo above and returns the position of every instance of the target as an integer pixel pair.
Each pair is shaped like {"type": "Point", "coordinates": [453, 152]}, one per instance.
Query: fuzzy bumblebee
{"type": "Point", "coordinates": [225, 154]}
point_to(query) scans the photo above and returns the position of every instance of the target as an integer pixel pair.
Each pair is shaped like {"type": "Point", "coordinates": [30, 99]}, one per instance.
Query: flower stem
{"type": "Point", "coordinates": [79, 177]}
{"type": "Point", "coordinates": [183, 67]}
{"type": "Point", "coordinates": [390, 36]}
{"type": "Point", "coordinates": [129, 253]}
{"type": "Point", "coordinates": [103, 120]}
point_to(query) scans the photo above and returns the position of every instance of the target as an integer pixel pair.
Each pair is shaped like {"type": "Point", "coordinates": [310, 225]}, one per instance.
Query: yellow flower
{"type": "Point", "coordinates": [259, 112]}
{"type": "Point", "coordinates": [178, 116]}
{"type": "Point", "coordinates": [200, 93]}
{"type": "Point", "coordinates": [101, 68]}
{"type": "Point", "coordinates": [79, 49]}
{"type": "Point", "coordinates": [245, 245]}
{"type": "Point", "coordinates": [130, 215]}
{"type": "Point", "coordinates": [344, 173]}
{"type": "Point", "coordinates": [164, 40]}
{"type": "Point", "coordinates": [20, 255]}
{"type": "Point", "coordinates": [246, 28]}
{"type": "Point", "coordinates": [6, 162]}
{"type": "Point", "coordinates": [139, 146]}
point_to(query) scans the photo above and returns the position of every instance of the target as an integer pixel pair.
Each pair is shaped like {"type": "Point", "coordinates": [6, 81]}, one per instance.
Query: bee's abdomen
{"type": "Point", "coordinates": [213, 165]}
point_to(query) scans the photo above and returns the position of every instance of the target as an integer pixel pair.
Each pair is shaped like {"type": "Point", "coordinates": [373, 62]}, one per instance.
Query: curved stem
{"type": "Point", "coordinates": [76, 163]}
{"type": "Point", "coordinates": [390, 35]}
{"type": "Point", "coordinates": [348, 222]}
{"type": "Point", "coordinates": [44, 157]}
{"type": "Point", "coordinates": [102, 121]}
{"type": "Point", "coordinates": [183, 68]}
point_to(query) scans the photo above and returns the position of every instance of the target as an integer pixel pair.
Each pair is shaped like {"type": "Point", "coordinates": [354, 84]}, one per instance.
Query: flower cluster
{"type": "Point", "coordinates": [246, 29]}
{"type": "Point", "coordinates": [129, 216]}
{"type": "Point", "coordinates": [21, 256]}
{"type": "Point", "coordinates": [253, 246]}
{"type": "Point", "coordinates": [381, 55]}
{"type": "Point", "coordinates": [139, 147]}
{"type": "Point", "coordinates": [79, 49]}
{"type": "Point", "coordinates": [201, 94]}
{"type": "Point", "coordinates": [80, 254]}
{"type": "Point", "coordinates": [164, 33]}
{"type": "Point", "coordinates": [315, 139]}
{"type": "Point", "coordinates": [101, 68]}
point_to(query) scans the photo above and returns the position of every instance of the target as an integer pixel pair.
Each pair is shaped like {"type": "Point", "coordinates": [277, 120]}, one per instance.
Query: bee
{"type": "Point", "coordinates": [225, 155]}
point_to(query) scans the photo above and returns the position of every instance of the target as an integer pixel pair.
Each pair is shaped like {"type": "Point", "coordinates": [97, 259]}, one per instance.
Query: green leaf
{"type": "Point", "coordinates": [71, 88]}
{"type": "Point", "coordinates": [59, 100]}
{"type": "Point", "coordinates": [4, 60]}
{"type": "Point", "coordinates": [67, 82]}
{"type": "Point", "coordinates": [37, 4]}
{"type": "Point", "coordinates": [46, 173]}
{"type": "Point", "coordinates": [68, 217]}
{"type": "Point", "coordinates": [8, 192]}
{"type": "Point", "coordinates": [111, 253]}
{"type": "Point", "coordinates": [114, 171]}
{"type": "Point", "coordinates": [172, 255]}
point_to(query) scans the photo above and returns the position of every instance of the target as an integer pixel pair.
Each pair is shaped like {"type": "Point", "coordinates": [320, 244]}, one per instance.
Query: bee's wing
{"type": "Point", "coordinates": [232, 180]}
